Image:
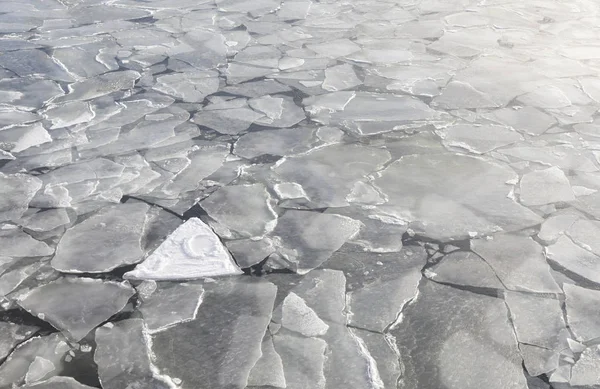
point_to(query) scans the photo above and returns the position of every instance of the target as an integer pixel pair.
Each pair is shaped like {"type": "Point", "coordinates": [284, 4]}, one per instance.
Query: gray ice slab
{"type": "Point", "coordinates": [469, 342]}
{"type": "Point", "coordinates": [76, 305]}
{"type": "Point", "coordinates": [123, 356]}
{"type": "Point", "coordinates": [117, 232]}
{"type": "Point", "coordinates": [223, 343]}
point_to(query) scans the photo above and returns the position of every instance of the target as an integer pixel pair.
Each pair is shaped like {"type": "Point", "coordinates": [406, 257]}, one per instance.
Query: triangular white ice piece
{"type": "Point", "coordinates": [192, 251]}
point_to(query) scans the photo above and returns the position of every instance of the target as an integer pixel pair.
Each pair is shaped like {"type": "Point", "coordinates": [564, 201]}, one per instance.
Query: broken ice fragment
{"type": "Point", "coordinates": [100, 85]}
{"type": "Point", "coordinates": [58, 383]}
{"type": "Point", "coordinates": [16, 243]}
{"type": "Point", "coordinates": [479, 139]}
{"type": "Point", "coordinates": [459, 94]}
{"type": "Point", "coordinates": [76, 305]}
{"type": "Point", "coordinates": [378, 285]}
{"type": "Point", "coordinates": [219, 348]}
{"type": "Point", "coordinates": [11, 335]}
{"type": "Point", "coordinates": [582, 311]}
{"type": "Point", "coordinates": [51, 348]}
{"type": "Point", "coordinates": [191, 87]}
{"type": "Point", "coordinates": [545, 186]}
{"type": "Point", "coordinates": [192, 251]}
{"type": "Point", "coordinates": [468, 195]}
{"type": "Point", "coordinates": [39, 369]}
{"type": "Point", "coordinates": [340, 77]}
{"type": "Point", "coordinates": [33, 63]}
{"type": "Point", "coordinates": [170, 304]}
{"type": "Point", "coordinates": [334, 48]}
{"type": "Point", "coordinates": [16, 191]}
{"type": "Point", "coordinates": [537, 320]}
{"type": "Point", "coordinates": [575, 259]}
{"type": "Point", "coordinates": [327, 174]}
{"type": "Point", "coordinates": [307, 239]}
{"type": "Point", "coordinates": [303, 360]}
{"type": "Point", "coordinates": [268, 370]}
{"type": "Point", "coordinates": [19, 138]}
{"type": "Point", "coordinates": [129, 366]}
{"type": "Point", "coordinates": [300, 318]}
{"type": "Point", "coordinates": [586, 371]}
{"type": "Point", "coordinates": [466, 269]}
{"type": "Point", "coordinates": [243, 210]}
{"type": "Point", "coordinates": [117, 232]}
{"type": "Point", "coordinates": [518, 261]}
{"type": "Point", "coordinates": [586, 233]}
{"type": "Point", "coordinates": [462, 327]}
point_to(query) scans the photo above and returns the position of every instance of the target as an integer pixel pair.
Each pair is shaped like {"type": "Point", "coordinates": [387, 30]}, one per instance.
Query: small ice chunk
{"type": "Point", "coordinates": [575, 259]}
{"type": "Point", "coordinates": [334, 48]}
{"type": "Point", "coordinates": [299, 317]}
{"type": "Point", "coordinates": [69, 114]}
{"type": "Point", "coordinates": [340, 77]}
{"type": "Point", "coordinates": [76, 305]}
{"type": "Point", "coordinates": [546, 186]}
{"type": "Point", "coordinates": [191, 87]}
{"type": "Point", "coordinates": [479, 139]}
{"type": "Point", "coordinates": [58, 383]}
{"type": "Point", "coordinates": [303, 360]}
{"type": "Point", "coordinates": [284, 141]}
{"type": "Point", "coordinates": [538, 320]}
{"type": "Point", "coordinates": [19, 138]}
{"type": "Point", "coordinates": [518, 261]}
{"type": "Point", "coordinates": [12, 334]}
{"type": "Point", "coordinates": [243, 210]}
{"type": "Point", "coordinates": [249, 252]}
{"type": "Point", "coordinates": [268, 370]}
{"type": "Point", "coordinates": [583, 315]}
{"type": "Point", "coordinates": [465, 269]}
{"type": "Point", "coordinates": [192, 251]}
{"type": "Point", "coordinates": [586, 233]}
{"type": "Point", "coordinates": [39, 369]}
{"type": "Point", "coordinates": [469, 342]}
{"type": "Point", "coordinates": [527, 119]}
{"type": "Point", "coordinates": [556, 225]}
{"type": "Point", "coordinates": [117, 232]}
{"type": "Point", "coordinates": [289, 190]}
{"type": "Point", "coordinates": [586, 371]}
{"type": "Point", "coordinates": [52, 348]}
{"type": "Point", "coordinates": [458, 94]}
{"type": "Point", "coordinates": [16, 192]}
{"type": "Point", "coordinates": [130, 366]}
{"type": "Point", "coordinates": [219, 348]}
{"type": "Point", "coordinates": [307, 239]}
{"type": "Point", "coordinates": [170, 304]}
{"type": "Point", "coordinates": [227, 121]}
{"type": "Point", "coordinates": [272, 107]}
{"type": "Point", "coordinates": [100, 85]}
{"type": "Point", "coordinates": [34, 63]}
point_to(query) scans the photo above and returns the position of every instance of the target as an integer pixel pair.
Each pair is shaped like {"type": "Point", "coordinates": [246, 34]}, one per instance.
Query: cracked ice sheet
{"type": "Point", "coordinates": [119, 366]}
{"type": "Point", "coordinates": [457, 339]}
{"type": "Point", "coordinates": [328, 174]}
{"type": "Point", "coordinates": [469, 196]}
{"type": "Point", "coordinates": [321, 340]}
{"type": "Point", "coordinates": [219, 348]}
{"type": "Point", "coordinates": [117, 234]}
{"type": "Point", "coordinates": [76, 305]}
{"type": "Point", "coordinates": [166, 304]}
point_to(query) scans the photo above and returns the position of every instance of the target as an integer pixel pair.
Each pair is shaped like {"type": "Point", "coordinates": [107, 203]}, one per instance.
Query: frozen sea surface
{"type": "Point", "coordinates": [300, 194]}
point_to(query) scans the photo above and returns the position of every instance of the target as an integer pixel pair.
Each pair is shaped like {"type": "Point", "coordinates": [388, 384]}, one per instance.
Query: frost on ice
{"type": "Point", "coordinates": [193, 250]}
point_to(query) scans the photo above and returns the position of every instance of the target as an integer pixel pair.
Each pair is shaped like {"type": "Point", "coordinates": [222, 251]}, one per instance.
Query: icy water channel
{"type": "Point", "coordinates": [299, 194]}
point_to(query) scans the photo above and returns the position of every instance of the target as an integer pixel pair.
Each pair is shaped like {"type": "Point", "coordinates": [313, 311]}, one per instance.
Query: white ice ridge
{"type": "Point", "coordinates": [192, 251]}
